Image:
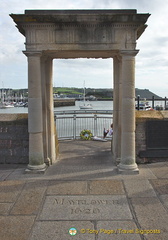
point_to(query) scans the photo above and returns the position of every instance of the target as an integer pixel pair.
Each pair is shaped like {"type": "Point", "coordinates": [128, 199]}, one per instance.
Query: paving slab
{"type": "Point", "coordinates": [117, 230]}
{"type": "Point", "coordinates": [164, 200]}
{"type": "Point", "coordinates": [5, 208]}
{"type": "Point", "coordinates": [83, 190]}
{"type": "Point", "coordinates": [150, 213]}
{"type": "Point", "coordinates": [15, 227]}
{"type": "Point", "coordinates": [9, 190]}
{"type": "Point", "coordinates": [4, 174]}
{"type": "Point", "coordinates": [160, 170]}
{"type": "Point", "coordinates": [160, 236]}
{"type": "Point", "coordinates": [138, 188]}
{"type": "Point", "coordinates": [160, 185]}
{"type": "Point", "coordinates": [30, 198]}
{"type": "Point", "coordinates": [67, 188]}
{"type": "Point", "coordinates": [92, 207]}
{"type": "Point", "coordinates": [106, 187]}
{"type": "Point", "coordinates": [59, 230]}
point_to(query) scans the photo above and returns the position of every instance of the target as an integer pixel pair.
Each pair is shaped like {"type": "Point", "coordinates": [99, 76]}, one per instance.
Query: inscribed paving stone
{"type": "Point", "coordinates": [9, 190]}
{"type": "Point", "coordinates": [150, 213]}
{"type": "Point", "coordinates": [30, 198]}
{"type": "Point", "coordinates": [91, 207]}
{"type": "Point", "coordinates": [115, 230]}
{"type": "Point", "coordinates": [160, 185]}
{"type": "Point", "coordinates": [4, 208]}
{"type": "Point", "coordinates": [67, 188]}
{"type": "Point", "coordinates": [138, 188]}
{"type": "Point", "coordinates": [15, 227]}
{"type": "Point", "coordinates": [106, 187]}
{"type": "Point", "coordinates": [58, 230]}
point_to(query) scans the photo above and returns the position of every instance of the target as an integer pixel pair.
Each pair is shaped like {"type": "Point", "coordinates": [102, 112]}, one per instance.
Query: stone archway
{"type": "Point", "coordinates": [80, 34]}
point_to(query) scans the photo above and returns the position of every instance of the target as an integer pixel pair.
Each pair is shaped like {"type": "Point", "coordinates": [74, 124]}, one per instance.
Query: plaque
{"type": "Point", "coordinates": [157, 134]}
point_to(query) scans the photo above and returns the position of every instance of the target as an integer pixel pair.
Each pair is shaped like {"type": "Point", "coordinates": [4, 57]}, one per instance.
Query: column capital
{"type": "Point", "coordinates": [130, 53]}
{"type": "Point", "coordinates": [33, 53]}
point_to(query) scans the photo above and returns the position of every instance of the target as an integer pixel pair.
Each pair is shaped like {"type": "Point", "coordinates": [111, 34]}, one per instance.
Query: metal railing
{"type": "Point", "coordinates": [70, 126]}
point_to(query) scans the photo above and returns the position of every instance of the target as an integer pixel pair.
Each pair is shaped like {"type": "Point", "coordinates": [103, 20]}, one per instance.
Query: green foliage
{"type": "Point", "coordinates": [64, 90]}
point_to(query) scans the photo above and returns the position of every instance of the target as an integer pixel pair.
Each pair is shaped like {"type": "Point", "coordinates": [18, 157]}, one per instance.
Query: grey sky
{"type": "Point", "coordinates": [151, 62]}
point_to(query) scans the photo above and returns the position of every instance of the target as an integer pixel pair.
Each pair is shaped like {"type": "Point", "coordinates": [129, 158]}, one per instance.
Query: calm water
{"type": "Point", "coordinates": [97, 105]}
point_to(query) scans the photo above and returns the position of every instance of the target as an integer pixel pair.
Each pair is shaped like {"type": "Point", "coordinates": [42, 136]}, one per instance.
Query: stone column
{"type": "Point", "coordinates": [128, 159]}
{"type": "Point", "coordinates": [50, 111]}
{"type": "Point", "coordinates": [35, 123]}
{"type": "Point", "coordinates": [44, 101]}
{"type": "Point", "coordinates": [116, 109]}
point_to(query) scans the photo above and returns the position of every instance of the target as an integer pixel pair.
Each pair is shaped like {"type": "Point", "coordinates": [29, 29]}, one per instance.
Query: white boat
{"type": "Point", "coordinates": [86, 104]}
{"type": "Point", "coordinates": [9, 106]}
{"type": "Point", "coordinates": [6, 105]}
{"type": "Point", "coordinates": [144, 106]}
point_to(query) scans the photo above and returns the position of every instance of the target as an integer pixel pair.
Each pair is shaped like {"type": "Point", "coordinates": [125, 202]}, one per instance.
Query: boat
{"type": "Point", "coordinates": [4, 105]}
{"type": "Point", "coordinates": [143, 106]}
{"type": "Point", "coordinates": [86, 104]}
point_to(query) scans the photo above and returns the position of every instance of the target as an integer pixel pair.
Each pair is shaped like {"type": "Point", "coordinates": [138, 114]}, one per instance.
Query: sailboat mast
{"type": "Point", "coordinates": [84, 93]}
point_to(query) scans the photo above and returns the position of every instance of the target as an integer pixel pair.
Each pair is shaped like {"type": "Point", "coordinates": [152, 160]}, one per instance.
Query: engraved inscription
{"type": "Point", "coordinates": [83, 205]}
{"type": "Point", "coordinates": [85, 210]}
{"type": "Point", "coordinates": [62, 201]}
{"type": "Point", "coordinates": [88, 207]}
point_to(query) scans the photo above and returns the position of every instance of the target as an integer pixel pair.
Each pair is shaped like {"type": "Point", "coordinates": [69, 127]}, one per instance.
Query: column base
{"type": "Point", "coordinates": [128, 169]}
{"type": "Point", "coordinates": [36, 168]}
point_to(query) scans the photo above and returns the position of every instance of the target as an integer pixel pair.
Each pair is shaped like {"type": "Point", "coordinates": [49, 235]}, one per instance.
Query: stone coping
{"type": "Point", "coordinates": [138, 114]}
{"type": "Point", "coordinates": [4, 117]}
{"type": "Point", "coordinates": [151, 114]}
{"type": "Point", "coordinates": [82, 11]}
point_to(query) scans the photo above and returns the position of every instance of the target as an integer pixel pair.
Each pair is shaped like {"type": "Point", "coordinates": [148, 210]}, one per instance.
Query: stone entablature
{"type": "Point", "coordinates": [82, 30]}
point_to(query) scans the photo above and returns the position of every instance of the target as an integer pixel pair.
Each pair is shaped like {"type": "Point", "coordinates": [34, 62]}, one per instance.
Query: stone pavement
{"type": "Point", "coordinates": [84, 192]}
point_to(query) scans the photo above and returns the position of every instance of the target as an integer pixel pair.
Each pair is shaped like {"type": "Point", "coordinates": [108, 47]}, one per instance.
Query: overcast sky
{"type": "Point", "coordinates": [151, 61]}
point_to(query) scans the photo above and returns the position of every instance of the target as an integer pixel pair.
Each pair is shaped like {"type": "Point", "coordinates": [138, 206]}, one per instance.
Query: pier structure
{"type": "Point", "coordinates": [67, 34]}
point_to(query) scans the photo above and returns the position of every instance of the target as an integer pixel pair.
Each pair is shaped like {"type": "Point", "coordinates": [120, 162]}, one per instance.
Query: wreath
{"type": "Point", "coordinates": [86, 134]}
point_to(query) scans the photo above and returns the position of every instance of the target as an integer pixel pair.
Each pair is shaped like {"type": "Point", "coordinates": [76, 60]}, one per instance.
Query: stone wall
{"type": "Point", "coordinates": [142, 153]}
{"type": "Point", "coordinates": [64, 102]}
{"type": "Point", "coordinates": [14, 138]}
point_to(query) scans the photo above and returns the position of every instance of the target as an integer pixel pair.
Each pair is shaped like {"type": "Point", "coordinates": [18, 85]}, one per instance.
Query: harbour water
{"type": "Point", "coordinates": [97, 105]}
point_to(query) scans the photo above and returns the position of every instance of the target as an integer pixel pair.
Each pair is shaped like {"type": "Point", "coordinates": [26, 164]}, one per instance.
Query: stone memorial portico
{"type": "Point", "coordinates": [64, 34]}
